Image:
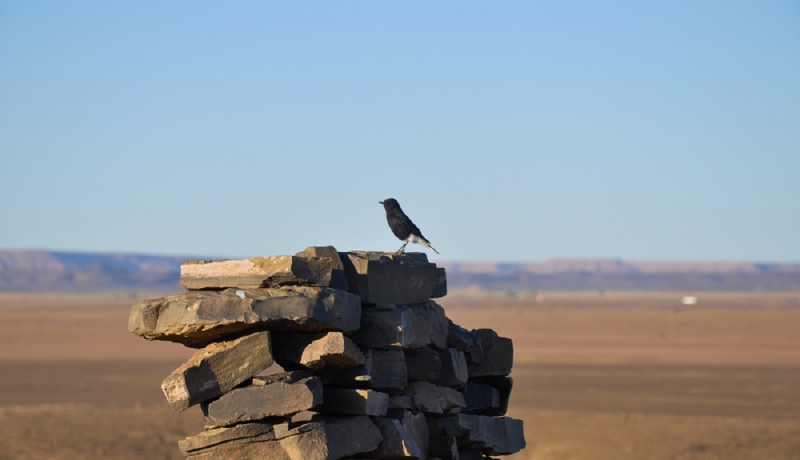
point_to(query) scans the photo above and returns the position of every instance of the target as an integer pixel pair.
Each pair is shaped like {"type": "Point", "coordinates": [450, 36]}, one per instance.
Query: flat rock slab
{"type": "Point", "coordinates": [197, 318]}
{"type": "Point", "coordinates": [347, 401]}
{"type": "Point", "coordinates": [331, 439]}
{"type": "Point", "coordinates": [279, 395]}
{"type": "Point", "coordinates": [256, 272]}
{"type": "Point", "coordinates": [490, 435]}
{"type": "Point", "coordinates": [216, 369]}
{"type": "Point", "coordinates": [498, 355]}
{"type": "Point", "coordinates": [397, 278]}
{"type": "Point", "coordinates": [326, 350]}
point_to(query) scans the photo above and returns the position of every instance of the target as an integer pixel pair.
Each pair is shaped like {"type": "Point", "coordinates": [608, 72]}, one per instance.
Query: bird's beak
{"type": "Point", "coordinates": [381, 202]}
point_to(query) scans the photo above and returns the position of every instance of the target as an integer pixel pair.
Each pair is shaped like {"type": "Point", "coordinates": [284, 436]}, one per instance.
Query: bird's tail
{"type": "Point", "coordinates": [427, 244]}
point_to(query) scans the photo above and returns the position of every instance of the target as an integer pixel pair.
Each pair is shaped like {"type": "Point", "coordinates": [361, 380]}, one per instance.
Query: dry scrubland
{"type": "Point", "coordinates": [597, 376]}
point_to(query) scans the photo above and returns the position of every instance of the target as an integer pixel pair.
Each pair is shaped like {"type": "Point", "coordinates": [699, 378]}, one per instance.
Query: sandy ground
{"type": "Point", "coordinates": [597, 376]}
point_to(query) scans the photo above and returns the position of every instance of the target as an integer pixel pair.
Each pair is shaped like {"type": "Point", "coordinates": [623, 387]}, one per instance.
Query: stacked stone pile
{"type": "Point", "coordinates": [374, 368]}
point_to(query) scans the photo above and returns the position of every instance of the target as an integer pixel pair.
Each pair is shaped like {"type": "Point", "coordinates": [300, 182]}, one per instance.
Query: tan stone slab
{"type": "Point", "coordinates": [197, 318]}
{"type": "Point", "coordinates": [256, 272]}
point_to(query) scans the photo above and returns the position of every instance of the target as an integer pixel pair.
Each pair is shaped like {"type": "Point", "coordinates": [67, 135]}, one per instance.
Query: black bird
{"type": "Point", "coordinates": [402, 227]}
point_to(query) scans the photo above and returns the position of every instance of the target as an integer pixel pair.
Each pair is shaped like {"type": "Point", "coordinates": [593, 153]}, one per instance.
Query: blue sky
{"type": "Point", "coordinates": [507, 130]}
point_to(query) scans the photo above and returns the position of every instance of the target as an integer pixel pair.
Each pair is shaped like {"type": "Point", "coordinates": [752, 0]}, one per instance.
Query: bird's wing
{"type": "Point", "coordinates": [402, 226]}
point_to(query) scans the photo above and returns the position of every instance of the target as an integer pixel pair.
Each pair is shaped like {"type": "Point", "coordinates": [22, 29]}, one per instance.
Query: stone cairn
{"type": "Point", "coordinates": [375, 370]}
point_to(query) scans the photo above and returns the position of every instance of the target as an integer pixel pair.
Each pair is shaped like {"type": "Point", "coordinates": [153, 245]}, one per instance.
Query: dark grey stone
{"type": "Point", "coordinates": [498, 355]}
{"type": "Point", "coordinates": [347, 401]}
{"type": "Point", "coordinates": [382, 370]}
{"type": "Point", "coordinates": [454, 368]}
{"type": "Point", "coordinates": [423, 364]}
{"type": "Point", "coordinates": [488, 395]}
{"type": "Point", "coordinates": [397, 442]}
{"type": "Point", "coordinates": [444, 447]}
{"type": "Point", "coordinates": [469, 342]}
{"type": "Point", "coordinates": [416, 426]}
{"type": "Point", "coordinates": [434, 399]}
{"type": "Point", "coordinates": [490, 435]}
{"type": "Point", "coordinates": [398, 278]}
{"type": "Point", "coordinates": [441, 284]}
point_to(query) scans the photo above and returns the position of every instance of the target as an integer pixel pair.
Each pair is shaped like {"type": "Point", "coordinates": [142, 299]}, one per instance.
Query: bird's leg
{"type": "Point", "coordinates": [402, 249]}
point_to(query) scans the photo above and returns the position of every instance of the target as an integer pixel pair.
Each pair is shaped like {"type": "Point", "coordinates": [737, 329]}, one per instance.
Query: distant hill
{"type": "Point", "coordinates": [50, 271]}
{"type": "Point", "coordinates": [616, 274]}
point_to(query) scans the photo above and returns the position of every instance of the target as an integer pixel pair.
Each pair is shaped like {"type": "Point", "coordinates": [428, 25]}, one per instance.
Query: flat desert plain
{"type": "Point", "coordinates": [597, 375]}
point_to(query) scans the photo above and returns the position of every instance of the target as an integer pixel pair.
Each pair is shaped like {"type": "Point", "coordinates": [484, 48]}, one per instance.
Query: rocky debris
{"type": "Point", "coordinates": [347, 401]}
{"type": "Point", "coordinates": [327, 350]}
{"type": "Point", "coordinates": [394, 380]}
{"type": "Point", "coordinates": [257, 272]}
{"type": "Point", "coordinates": [216, 369]}
{"type": "Point", "coordinates": [396, 278]}
{"type": "Point", "coordinates": [338, 279]}
{"type": "Point", "coordinates": [279, 395]}
{"type": "Point", "coordinates": [498, 355]}
{"type": "Point", "coordinates": [197, 318]}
